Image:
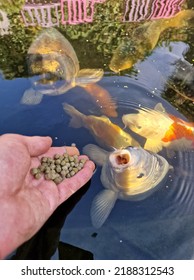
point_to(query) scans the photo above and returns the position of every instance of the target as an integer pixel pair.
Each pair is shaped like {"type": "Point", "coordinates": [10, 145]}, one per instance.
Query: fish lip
{"type": "Point", "coordinates": [120, 160]}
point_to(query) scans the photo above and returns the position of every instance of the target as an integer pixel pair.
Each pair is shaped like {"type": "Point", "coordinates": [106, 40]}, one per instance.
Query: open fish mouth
{"type": "Point", "coordinates": [120, 160]}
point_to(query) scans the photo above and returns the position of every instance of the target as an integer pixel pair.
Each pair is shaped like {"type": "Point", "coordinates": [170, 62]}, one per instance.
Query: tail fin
{"type": "Point", "coordinates": [76, 116]}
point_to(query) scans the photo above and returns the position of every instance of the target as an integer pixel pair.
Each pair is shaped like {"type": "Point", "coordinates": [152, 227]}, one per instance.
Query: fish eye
{"type": "Point", "coordinates": [140, 175]}
{"type": "Point", "coordinates": [139, 126]}
{"type": "Point", "coordinates": [129, 147]}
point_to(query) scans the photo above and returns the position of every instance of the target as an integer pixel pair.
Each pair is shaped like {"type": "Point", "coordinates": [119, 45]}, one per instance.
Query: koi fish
{"type": "Point", "coordinates": [54, 67]}
{"type": "Point", "coordinates": [144, 39]}
{"type": "Point", "coordinates": [106, 133]}
{"type": "Point", "coordinates": [161, 129]}
{"type": "Point", "coordinates": [128, 174]}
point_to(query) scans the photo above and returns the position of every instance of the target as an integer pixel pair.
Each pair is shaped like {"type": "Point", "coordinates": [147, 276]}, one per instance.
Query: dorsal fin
{"type": "Point", "coordinates": [159, 107]}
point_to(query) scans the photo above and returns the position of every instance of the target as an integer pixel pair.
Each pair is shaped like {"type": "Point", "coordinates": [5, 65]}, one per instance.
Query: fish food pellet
{"type": "Point", "coordinates": [58, 168]}
{"type": "Point", "coordinates": [37, 176]}
{"type": "Point", "coordinates": [34, 171]}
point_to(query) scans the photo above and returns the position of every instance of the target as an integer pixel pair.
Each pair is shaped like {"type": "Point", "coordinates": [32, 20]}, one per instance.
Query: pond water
{"type": "Point", "coordinates": [160, 226]}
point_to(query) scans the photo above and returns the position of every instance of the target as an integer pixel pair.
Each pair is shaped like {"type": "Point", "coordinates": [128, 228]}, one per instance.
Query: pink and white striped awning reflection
{"type": "Point", "coordinates": [78, 11]}
{"type": "Point", "coordinates": [52, 13]}
{"type": "Point", "coordinates": [45, 15]}
{"type": "Point", "coordinates": [137, 10]}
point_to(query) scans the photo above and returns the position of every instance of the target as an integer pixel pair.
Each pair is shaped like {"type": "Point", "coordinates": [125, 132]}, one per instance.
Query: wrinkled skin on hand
{"type": "Point", "coordinates": [26, 203]}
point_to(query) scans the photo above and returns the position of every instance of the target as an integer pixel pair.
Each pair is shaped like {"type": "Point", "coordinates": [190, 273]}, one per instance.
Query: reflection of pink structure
{"type": "Point", "coordinates": [48, 14]}
{"type": "Point", "coordinates": [78, 11]}
{"type": "Point", "coordinates": [39, 14]}
{"type": "Point", "coordinates": [137, 10]}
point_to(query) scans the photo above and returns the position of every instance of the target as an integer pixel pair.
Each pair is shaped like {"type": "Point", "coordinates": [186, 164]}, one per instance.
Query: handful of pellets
{"type": "Point", "coordinates": [58, 168]}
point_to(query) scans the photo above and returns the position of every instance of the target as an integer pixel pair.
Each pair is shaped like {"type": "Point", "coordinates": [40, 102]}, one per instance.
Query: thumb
{"type": "Point", "coordinates": [37, 145]}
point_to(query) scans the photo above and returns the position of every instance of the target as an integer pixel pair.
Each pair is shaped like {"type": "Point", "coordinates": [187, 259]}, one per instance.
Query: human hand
{"type": "Point", "coordinates": [26, 203]}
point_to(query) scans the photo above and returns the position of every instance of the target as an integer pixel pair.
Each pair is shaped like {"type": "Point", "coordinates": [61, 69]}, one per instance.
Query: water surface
{"type": "Point", "coordinates": [159, 227]}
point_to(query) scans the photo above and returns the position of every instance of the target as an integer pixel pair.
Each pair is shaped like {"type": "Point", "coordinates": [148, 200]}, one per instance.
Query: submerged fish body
{"type": "Point", "coordinates": [144, 39]}
{"type": "Point", "coordinates": [161, 129]}
{"type": "Point", "coordinates": [128, 174]}
{"type": "Point", "coordinates": [106, 133]}
{"type": "Point", "coordinates": [51, 58]}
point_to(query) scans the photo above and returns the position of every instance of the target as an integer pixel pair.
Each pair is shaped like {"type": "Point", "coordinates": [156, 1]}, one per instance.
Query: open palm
{"type": "Point", "coordinates": [26, 203]}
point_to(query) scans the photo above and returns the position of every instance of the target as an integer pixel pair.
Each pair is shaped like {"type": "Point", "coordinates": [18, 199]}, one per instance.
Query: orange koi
{"type": "Point", "coordinates": [103, 99]}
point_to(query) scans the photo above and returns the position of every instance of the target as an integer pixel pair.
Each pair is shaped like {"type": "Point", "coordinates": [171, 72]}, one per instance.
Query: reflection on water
{"type": "Point", "coordinates": [150, 9]}
{"type": "Point", "coordinates": [162, 225]}
{"type": "Point", "coordinates": [55, 12]}
{"type": "Point", "coordinates": [4, 23]}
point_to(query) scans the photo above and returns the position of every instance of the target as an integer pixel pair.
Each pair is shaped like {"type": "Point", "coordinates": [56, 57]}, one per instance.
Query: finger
{"type": "Point", "coordinates": [37, 145]}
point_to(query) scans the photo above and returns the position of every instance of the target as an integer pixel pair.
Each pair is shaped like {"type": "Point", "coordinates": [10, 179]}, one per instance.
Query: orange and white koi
{"type": "Point", "coordinates": [161, 129]}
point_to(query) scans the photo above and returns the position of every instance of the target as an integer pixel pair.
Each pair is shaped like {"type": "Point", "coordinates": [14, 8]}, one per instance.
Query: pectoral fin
{"type": "Point", "coordinates": [153, 145]}
{"type": "Point", "coordinates": [102, 205]}
{"type": "Point", "coordinates": [95, 153]}
{"type": "Point", "coordinates": [87, 76]}
{"type": "Point", "coordinates": [31, 97]}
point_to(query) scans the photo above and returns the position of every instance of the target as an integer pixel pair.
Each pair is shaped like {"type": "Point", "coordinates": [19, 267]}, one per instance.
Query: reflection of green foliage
{"type": "Point", "coordinates": [11, 6]}
{"type": "Point", "coordinates": [184, 105]}
{"type": "Point", "coordinates": [94, 42]}
{"type": "Point", "coordinates": [13, 48]}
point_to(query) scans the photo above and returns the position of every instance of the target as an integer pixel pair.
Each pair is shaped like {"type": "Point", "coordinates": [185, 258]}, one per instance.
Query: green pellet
{"type": "Point", "coordinates": [75, 170]}
{"type": "Point", "coordinates": [63, 174]}
{"type": "Point", "coordinates": [64, 167]}
{"type": "Point", "coordinates": [44, 159]}
{"type": "Point", "coordinates": [52, 166]}
{"type": "Point", "coordinates": [57, 161]}
{"type": "Point", "coordinates": [54, 176]}
{"type": "Point", "coordinates": [71, 158]}
{"type": "Point", "coordinates": [72, 173]}
{"type": "Point", "coordinates": [41, 168]}
{"type": "Point", "coordinates": [61, 158]}
{"type": "Point", "coordinates": [47, 170]}
{"type": "Point", "coordinates": [63, 162]}
{"type": "Point", "coordinates": [48, 176]}
{"type": "Point", "coordinates": [34, 171]}
{"type": "Point", "coordinates": [49, 160]}
{"type": "Point", "coordinates": [56, 156]}
{"type": "Point", "coordinates": [37, 176]}
{"type": "Point", "coordinates": [58, 168]}
{"type": "Point", "coordinates": [58, 180]}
